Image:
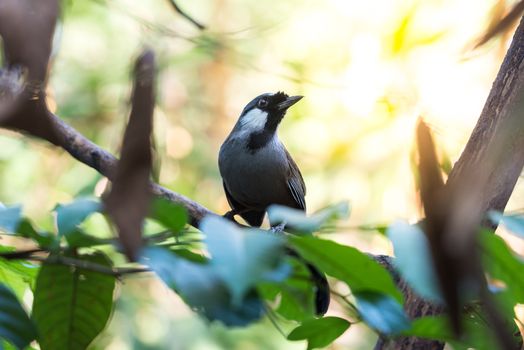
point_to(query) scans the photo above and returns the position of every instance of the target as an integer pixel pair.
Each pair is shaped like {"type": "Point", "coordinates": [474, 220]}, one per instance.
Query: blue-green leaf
{"type": "Point", "coordinates": [319, 332]}
{"type": "Point", "coordinates": [202, 288]}
{"type": "Point", "coordinates": [170, 215]}
{"type": "Point", "coordinates": [514, 223]}
{"type": "Point", "coordinates": [356, 269]}
{"type": "Point", "coordinates": [69, 216]}
{"type": "Point", "coordinates": [243, 258]}
{"type": "Point", "coordinates": [298, 221]}
{"type": "Point", "coordinates": [382, 312]}
{"type": "Point", "coordinates": [413, 259]}
{"type": "Point", "coordinates": [15, 325]}
{"type": "Point", "coordinates": [10, 218]}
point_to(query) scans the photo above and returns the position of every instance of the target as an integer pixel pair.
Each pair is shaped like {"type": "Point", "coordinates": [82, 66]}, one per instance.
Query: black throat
{"type": "Point", "coordinates": [259, 139]}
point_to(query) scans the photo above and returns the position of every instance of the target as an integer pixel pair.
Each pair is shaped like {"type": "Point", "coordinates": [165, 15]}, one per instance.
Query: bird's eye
{"type": "Point", "coordinates": [262, 103]}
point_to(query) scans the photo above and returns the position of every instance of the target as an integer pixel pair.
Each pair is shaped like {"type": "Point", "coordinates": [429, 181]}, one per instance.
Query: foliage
{"type": "Point", "coordinates": [240, 276]}
{"type": "Point", "coordinates": [413, 259]}
{"type": "Point", "coordinates": [319, 332]}
{"type": "Point", "coordinates": [72, 305]}
{"type": "Point", "coordinates": [15, 325]}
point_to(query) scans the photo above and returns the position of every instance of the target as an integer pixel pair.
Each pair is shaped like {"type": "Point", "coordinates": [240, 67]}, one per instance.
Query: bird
{"type": "Point", "coordinates": [258, 171]}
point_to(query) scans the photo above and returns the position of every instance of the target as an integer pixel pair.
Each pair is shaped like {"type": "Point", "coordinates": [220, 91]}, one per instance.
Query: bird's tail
{"type": "Point", "coordinates": [322, 296]}
{"type": "Point", "coordinates": [322, 292]}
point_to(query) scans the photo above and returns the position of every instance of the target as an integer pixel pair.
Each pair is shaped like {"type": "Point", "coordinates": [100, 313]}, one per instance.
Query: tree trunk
{"type": "Point", "coordinates": [495, 148]}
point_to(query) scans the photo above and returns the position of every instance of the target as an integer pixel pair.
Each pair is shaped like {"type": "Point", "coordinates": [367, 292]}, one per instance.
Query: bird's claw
{"type": "Point", "coordinates": [230, 215]}
{"type": "Point", "coordinates": [278, 228]}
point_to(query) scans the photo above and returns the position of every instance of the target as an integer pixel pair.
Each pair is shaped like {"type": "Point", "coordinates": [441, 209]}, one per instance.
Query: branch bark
{"type": "Point", "coordinates": [105, 163]}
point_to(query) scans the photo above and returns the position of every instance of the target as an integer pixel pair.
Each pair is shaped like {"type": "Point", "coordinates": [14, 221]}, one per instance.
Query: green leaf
{"type": "Point", "coordinates": [382, 229]}
{"type": "Point", "coordinates": [15, 325]}
{"type": "Point", "coordinates": [319, 332]}
{"type": "Point", "coordinates": [202, 288]}
{"type": "Point", "coordinates": [297, 293]}
{"type": "Point", "coordinates": [69, 216]}
{"type": "Point", "coordinates": [413, 259]}
{"type": "Point", "coordinates": [382, 312]}
{"type": "Point", "coordinates": [16, 274]}
{"type": "Point", "coordinates": [78, 238]}
{"type": "Point", "coordinates": [10, 218]}
{"type": "Point", "coordinates": [170, 215]}
{"type": "Point", "coordinates": [502, 264]}
{"type": "Point", "coordinates": [26, 229]}
{"type": "Point", "coordinates": [242, 258]}
{"type": "Point", "coordinates": [514, 223]}
{"type": "Point", "coordinates": [191, 256]}
{"type": "Point", "coordinates": [356, 269]}
{"type": "Point", "coordinates": [72, 305]}
{"type": "Point", "coordinates": [430, 327]}
{"type": "Point", "coordinates": [476, 334]}
{"type": "Point", "coordinates": [298, 221]}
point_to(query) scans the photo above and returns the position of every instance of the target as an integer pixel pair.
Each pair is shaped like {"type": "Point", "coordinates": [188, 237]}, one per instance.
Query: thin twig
{"type": "Point", "coordinates": [273, 319]}
{"type": "Point", "coordinates": [343, 298]}
{"type": "Point", "coordinates": [21, 254]}
{"type": "Point", "coordinates": [186, 16]}
{"type": "Point", "coordinates": [87, 265]}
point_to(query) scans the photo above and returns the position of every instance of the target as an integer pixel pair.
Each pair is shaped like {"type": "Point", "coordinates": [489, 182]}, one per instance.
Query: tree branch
{"type": "Point", "coordinates": [105, 163]}
{"type": "Point", "coordinates": [483, 178]}
{"type": "Point", "coordinates": [184, 14]}
{"type": "Point", "coordinates": [88, 265]}
{"type": "Point", "coordinates": [68, 261]}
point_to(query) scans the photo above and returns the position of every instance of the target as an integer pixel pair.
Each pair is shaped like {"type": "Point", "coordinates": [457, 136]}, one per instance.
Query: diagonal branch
{"type": "Point", "coordinates": [105, 163]}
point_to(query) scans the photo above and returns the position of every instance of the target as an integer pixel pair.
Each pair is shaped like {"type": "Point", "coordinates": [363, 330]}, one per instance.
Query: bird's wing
{"type": "Point", "coordinates": [295, 183]}
{"type": "Point", "coordinates": [232, 202]}
{"type": "Point", "coordinates": [253, 217]}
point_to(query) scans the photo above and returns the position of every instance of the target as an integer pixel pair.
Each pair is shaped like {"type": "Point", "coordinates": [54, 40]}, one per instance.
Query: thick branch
{"type": "Point", "coordinates": [486, 173]}
{"type": "Point", "coordinates": [497, 141]}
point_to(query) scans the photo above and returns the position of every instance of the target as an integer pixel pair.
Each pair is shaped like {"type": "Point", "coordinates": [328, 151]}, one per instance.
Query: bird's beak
{"type": "Point", "coordinates": [288, 102]}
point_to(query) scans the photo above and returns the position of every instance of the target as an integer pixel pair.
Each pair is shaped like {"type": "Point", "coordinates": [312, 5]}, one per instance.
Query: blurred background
{"type": "Point", "coordinates": [368, 70]}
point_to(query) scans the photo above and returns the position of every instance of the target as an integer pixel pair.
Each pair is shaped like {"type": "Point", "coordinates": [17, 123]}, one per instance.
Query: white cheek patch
{"type": "Point", "coordinates": [254, 120]}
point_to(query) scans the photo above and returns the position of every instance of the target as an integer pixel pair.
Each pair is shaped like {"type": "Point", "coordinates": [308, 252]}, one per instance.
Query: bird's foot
{"type": "Point", "coordinates": [230, 215]}
{"type": "Point", "coordinates": [278, 228]}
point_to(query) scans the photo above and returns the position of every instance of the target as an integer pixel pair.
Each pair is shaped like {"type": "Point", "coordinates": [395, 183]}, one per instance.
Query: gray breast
{"type": "Point", "coordinates": [255, 179]}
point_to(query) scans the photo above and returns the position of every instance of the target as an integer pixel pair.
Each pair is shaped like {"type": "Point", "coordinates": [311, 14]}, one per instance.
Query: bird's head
{"type": "Point", "coordinates": [265, 112]}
